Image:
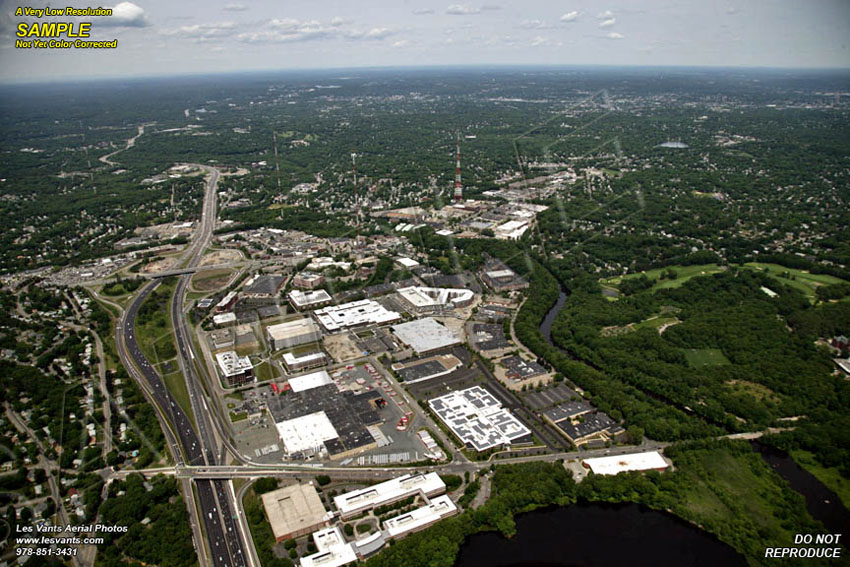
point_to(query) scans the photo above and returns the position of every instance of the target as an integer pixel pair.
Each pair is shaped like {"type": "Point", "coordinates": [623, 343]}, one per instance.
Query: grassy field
{"type": "Point", "coordinates": [830, 477]}
{"type": "Point", "coordinates": [799, 279]}
{"type": "Point", "coordinates": [264, 372]}
{"type": "Point", "coordinates": [739, 498]}
{"type": "Point", "coordinates": [656, 322]}
{"type": "Point", "coordinates": [211, 280]}
{"type": "Point", "coordinates": [176, 384]}
{"type": "Point", "coordinates": [684, 273]}
{"type": "Point", "coordinates": [705, 357]}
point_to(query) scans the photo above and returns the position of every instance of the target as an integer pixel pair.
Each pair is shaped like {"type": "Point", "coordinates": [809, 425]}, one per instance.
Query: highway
{"type": "Point", "coordinates": [213, 501]}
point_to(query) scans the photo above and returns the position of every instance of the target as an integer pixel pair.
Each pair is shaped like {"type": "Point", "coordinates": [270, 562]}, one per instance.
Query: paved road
{"type": "Point", "coordinates": [212, 495]}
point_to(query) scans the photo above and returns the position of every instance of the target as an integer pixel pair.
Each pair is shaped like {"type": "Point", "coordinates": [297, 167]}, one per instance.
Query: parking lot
{"type": "Point", "coordinates": [550, 397]}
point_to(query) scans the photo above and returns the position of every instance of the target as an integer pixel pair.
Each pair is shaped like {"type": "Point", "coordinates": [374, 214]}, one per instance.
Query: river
{"type": "Point", "coordinates": [598, 535]}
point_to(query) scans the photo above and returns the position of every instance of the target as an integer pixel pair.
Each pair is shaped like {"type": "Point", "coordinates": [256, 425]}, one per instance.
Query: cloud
{"type": "Point", "coordinates": [605, 15]}
{"type": "Point", "coordinates": [336, 21]}
{"type": "Point", "coordinates": [212, 30]}
{"type": "Point", "coordinates": [125, 14]}
{"type": "Point", "coordinates": [608, 23]}
{"type": "Point", "coordinates": [289, 30]}
{"type": "Point", "coordinates": [462, 10]}
{"type": "Point", "coordinates": [400, 43]}
{"type": "Point", "coordinates": [423, 11]}
{"type": "Point", "coordinates": [615, 35]}
{"type": "Point", "coordinates": [491, 7]}
{"type": "Point", "coordinates": [570, 16]}
{"type": "Point", "coordinates": [533, 24]}
{"type": "Point", "coordinates": [235, 7]}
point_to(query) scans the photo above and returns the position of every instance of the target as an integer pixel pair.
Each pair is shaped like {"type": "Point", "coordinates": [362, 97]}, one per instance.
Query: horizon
{"type": "Point", "coordinates": [421, 68]}
{"type": "Point", "coordinates": [156, 38]}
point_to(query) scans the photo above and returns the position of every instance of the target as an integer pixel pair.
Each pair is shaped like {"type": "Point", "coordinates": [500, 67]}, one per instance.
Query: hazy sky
{"type": "Point", "coordinates": [173, 37]}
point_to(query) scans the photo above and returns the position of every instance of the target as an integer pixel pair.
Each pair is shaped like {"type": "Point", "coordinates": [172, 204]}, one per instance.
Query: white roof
{"type": "Point", "coordinates": [440, 507]}
{"type": "Point", "coordinates": [435, 296]}
{"type": "Point", "coordinates": [326, 539]}
{"type": "Point", "coordinates": [631, 462]}
{"type": "Point", "coordinates": [232, 364]}
{"type": "Point", "coordinates": [306, 298]}
{"type": "Point", "coordinates": [477, 418]}
{"type": "Point", "coordinates": [389, 491]}
{"type": "Point", "coordinates": [355, 313]}
{"type": "Point", "coordinates": [310, 381]}
{"type": "Point", "coordinates": [333, 556]}
{"type": "Point", "coordinates": [306, 433]}
{"type": "Point", "coordinates": [407, 262]}
{"type": "Point", "coordinates": [291, 359]}
{"type": "Point", "coordinates": [292, 329]}
{"type": "Point", "coordinates": [223, 318]}
{"type": "Point", "coordinates": [226, 299]}
{"type": "Point", "coordinates": [424, 335]}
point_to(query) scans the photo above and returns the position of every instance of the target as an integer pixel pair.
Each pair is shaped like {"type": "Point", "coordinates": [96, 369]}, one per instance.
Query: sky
{"type": "Point", "coordinates": [168, 37]}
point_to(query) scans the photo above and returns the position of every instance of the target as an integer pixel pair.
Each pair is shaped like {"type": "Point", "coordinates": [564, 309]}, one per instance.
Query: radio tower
{"type": "Point", "coordinates": [458, 186]}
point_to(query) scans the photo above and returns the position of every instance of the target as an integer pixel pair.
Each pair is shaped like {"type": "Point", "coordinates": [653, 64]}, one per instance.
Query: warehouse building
{"type": "Point", "coordinates": [650, 461]}
{"type": "Point", "coordinates": [303, 300]}
{"type": "Point", "coordinates": [356, 502]}
{"type": "Point", "coordinates": [293, 333]}
{"type": "Point", "coordinates": [355, 314]}
{"type": "Point", "coordinates": [316, 419]}
{"type": "Point", "coordinates": [227, 302]}
{"type": "Point", "coordinates": [234, 368]}
{"type": "Point", "coordinates": [478, 419]}
{"type": "Point", "coordinates": [294, 511]}
{"type": "Point", "coordinates": [425, 336]}
{"type": "Point", "coordinates": [429, 299]}
{"type": "Point", "coordinates": [262, 289]}
{"type": "Point", "coordinates": [294, 363]}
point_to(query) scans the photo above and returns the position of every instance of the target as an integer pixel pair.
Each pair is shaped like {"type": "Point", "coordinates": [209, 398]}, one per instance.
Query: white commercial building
{"type": "Point", "coordinates": [425, 335]}
{"type": "Point", "coordinates": [421, 299]}
{"type": "Point", "coordinates": [632, 462]}
{"type": "Point", "coordinates": [223, 319]}
{"type": "Point", "coordinates": [302, 300]}
{"type": "Point", "coordinates": [310, 360]}
{"type": "Point", "coordinates": [293, 333]}
{"type": "Point", "coordinates": [333, 551]}
{"type": "Point", "coordinates": [234, 367]}
{"type": "Point", "coordinates": [353, 503]}
{"type": "Point", "coordinates": [511, 230]}
{"type": "Point", "coordinates": [307, 434]}
{"type": "Point", "coordinates": [420, 518]}
{"type": "Point", "coordinates": [355, 314]}
{"type": "Point", "coordinates": [406, 263]}
{"type": "Point", "coordinates": [310, 381]}
{"type": "Point", "coordinates": [478, 419]}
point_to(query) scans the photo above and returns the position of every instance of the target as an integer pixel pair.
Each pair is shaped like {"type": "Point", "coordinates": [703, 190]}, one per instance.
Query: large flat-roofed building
{"type": "Point", "coordinates": [302, 300]}
{"type": "Point", "coordinates": [650, 461]}
{"type": "Point", "coordinates": [333, 551]}
{"type": "Point", "coordinates": [478, 419]}
{"type": "Point", "coordinates": [355, 314]}
{"type": "Point", "coordinates": [591, 426]}
{"type": "Point", "coordinates": [420, 518]}
{"type": "Point", "coordinates": [425, 336]}
{"type": "Point", "coordinates": [234, 368]}
{"type": "Point", "coordinates": [294, 511]}
{"type": "Point", "coordinates": [293, 333]}
{"type": "Point", "coordinates": [353, 503]}
{"type": "Point", "coordinates": [316, 419]}
{"type": "Point", "coordinates": [305, 436]}
{"type": "Point", "coordinates": [294, 362]}
{"type": "Point", "coordinates": [263, 288]}
{"type": "Point", "coordinates": [310, 381]}
{"type": "Point", "coordinates": [429, 299]}
{"type": "Point", "coordinates": [511, 230]}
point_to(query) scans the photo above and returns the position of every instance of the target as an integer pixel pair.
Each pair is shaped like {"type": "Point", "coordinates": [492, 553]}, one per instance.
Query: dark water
{"type": "Point", "coordinates": [546, 325]}
{"type": "Point", "coordinates": [822, 503]}
{"type": "Point", "coordinates": [599, 535]}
